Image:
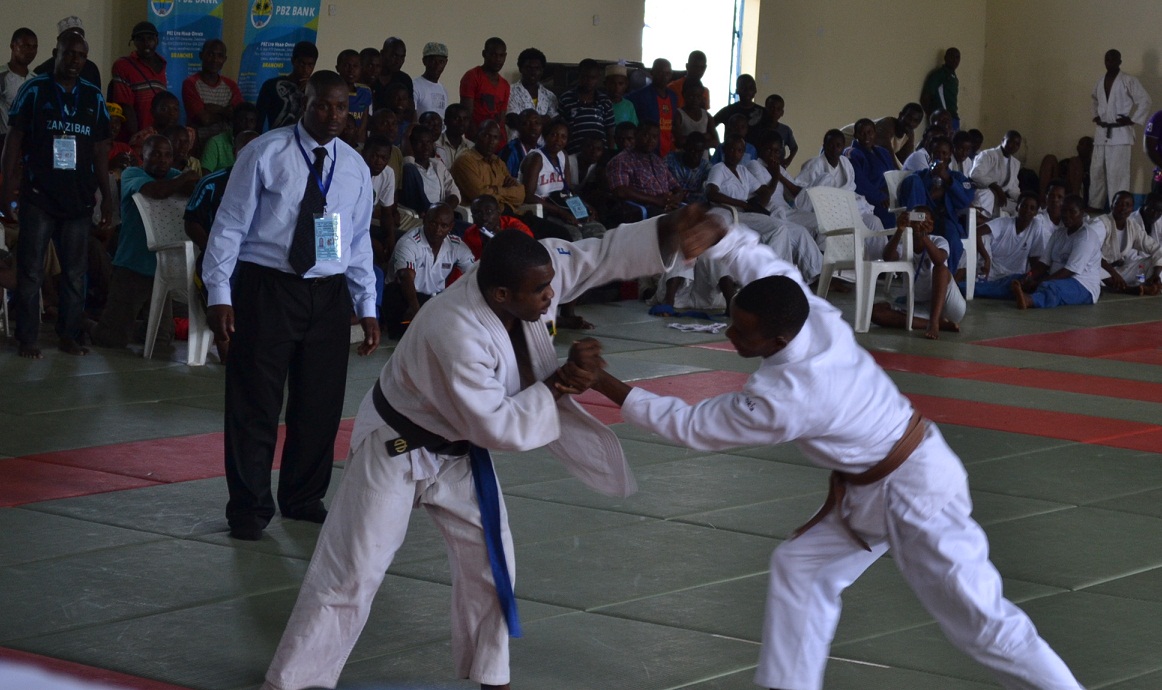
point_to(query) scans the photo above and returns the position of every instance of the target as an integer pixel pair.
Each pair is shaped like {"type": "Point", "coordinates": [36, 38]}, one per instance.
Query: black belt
{"type": "Point", "coordinates": [411, 435]}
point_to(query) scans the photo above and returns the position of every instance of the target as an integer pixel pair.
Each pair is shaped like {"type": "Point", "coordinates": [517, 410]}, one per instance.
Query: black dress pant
{"type": "Point", "coordinates": [292, 332]}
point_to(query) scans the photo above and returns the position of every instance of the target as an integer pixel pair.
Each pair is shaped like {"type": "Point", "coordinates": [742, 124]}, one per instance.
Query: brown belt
{"type": "Point", "coordinates": [839, 480]}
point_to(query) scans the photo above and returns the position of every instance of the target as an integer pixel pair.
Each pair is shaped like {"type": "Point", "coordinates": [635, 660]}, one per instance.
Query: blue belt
{"type": "Point", "coordinates": [488, 496]}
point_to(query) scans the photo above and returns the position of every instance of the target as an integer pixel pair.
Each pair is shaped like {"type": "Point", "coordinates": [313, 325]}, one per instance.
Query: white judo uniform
{"type": "Point", "coordinates": [778, 206]}
{"type": "Point", "coordinates": [1009, 250]}
{"type": "Point", "coordinates": [455, 374]}
{"type": "Point", "coordinates": [1130, 250]}
{"type": "Point", "coordinates": [1109, 168]}
{"type": "Point", "coordinates": [817, 172]}
{"type": "Point", "coordinates": [827, 394]}
{"type": "Point", "coordinates": [991, 166]}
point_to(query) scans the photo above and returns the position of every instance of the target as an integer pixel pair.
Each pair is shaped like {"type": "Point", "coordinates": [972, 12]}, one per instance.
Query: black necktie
{"type": "Point", "coordinates": [302, 249]}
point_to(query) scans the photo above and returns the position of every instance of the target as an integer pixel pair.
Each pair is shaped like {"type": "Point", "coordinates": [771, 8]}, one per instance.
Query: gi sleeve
{"type": "Point", "coordinates": [718, 423]}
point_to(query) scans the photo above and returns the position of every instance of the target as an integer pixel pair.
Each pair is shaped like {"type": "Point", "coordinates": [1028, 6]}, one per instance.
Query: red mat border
{"type": "Point", "coordinates": [84, 672]}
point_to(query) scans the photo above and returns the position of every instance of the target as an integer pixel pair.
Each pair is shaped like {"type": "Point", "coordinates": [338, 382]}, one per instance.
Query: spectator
{"type": "Point", "coordinates": [288, 316]}
{"type": "Point", "coordinates": [426, 180]}
{"type": "Point", "coordinates": [737, 125]}
{"type": "Point", "coordinates": [138, 77]}
{"type": "Point", "coordinates": [392, 57]}
{"type": "Point", "coordinates": [777, 187]}
{"type": "Point", "coordinates": [90, 72]}
{"type": "Point", "coordinates": [657, 103]}
{"type": "Point", "coordinates": [898, 134]}
{"type": "Point", "coordinates": [832, 169]}
{"type": "Point", "coordinates": [58, 179]}
{"type": "Point", "coordinates": [1119, 102]}
{"type": "Point", "coordinates": [616, 83]}
{"type": "Point", "coordinates": [1153, 146]}
{"type": "Point", "coordinates": [919, 158]}
{"type": "Point", "coordinates": [946, 193]}
{"type": "Point", "coordinates": [384, 215]}
{"type": "Point", "coordinates": [281, 99]}
{"type": "Point", "coordinates": [977, 140]}
{"type": "Point", "coordinates": [1069, 271]}
{"type": "Point", "coordinates": [870, 162]}
{"type": "Point", "coordinates": [430, 94]}
{"type": "Point", "coordinates": [693, 117]}
{"type": "Point", "coordinates": [480, 171]}
{"type": "Point", "coordinates": [131, 286]}
{"type": "Point", "coordinates": [587, 111]}
{"type": "Point", "coordinates": [690, 167]}
{"type": "Point", "coordinates": [421, 265]}
{"type": "Point", "coordinates": [962, 153]}
{"type": "Point", "coordinates": [385, 124]}
{"type": "Point", "coordinates": [164, 111]}
{"type": "Point", "coordinates": [639, 176]}
{"type": "Point", "coordinates": [483, 92]}
{"type": "Point", "coordinates": [1131, 258]}
{"type": "Point", "coordinates": [454, 142]}
{"type": "Point", "coordinates": [370, 67]}
{"type": "Point", "coordinates": [528, 138]}
{"type": "Point", "coordinates": [488, 221]}
{"type": "Point", "coordinates": [695, 70]}
{"type": "Point", "coordinates": [528, 92]}
{"type": "Point", "coordinates": [941, 88]}
{"type": "Point", "coordinates": [16, 73]}
{"type": "Point", "coordinates": [183, 157]}
{"type": "Point", "coordinates": [210, 98]}
{"type": "Point", "coordinates": [401, 104]}
{"type": "Point", "coordinates": [994, 174]}
{"type": "Point", "coordinates": [582, 163]}
{"type": "Point", "coordinates": [1075, 169]}
{"type": "Point", "coordinates": [218, 152]}
{"type": "Point", "coordinates": [746, 89]}
{"type": "Point", "coordinates": [349, 66]}
{"type": "Point", "coordinates": [543, 173]}
{"type": "Point", "coordinates": [1007, 245]}
{"type": "Point", "coordinates": [774, 108]}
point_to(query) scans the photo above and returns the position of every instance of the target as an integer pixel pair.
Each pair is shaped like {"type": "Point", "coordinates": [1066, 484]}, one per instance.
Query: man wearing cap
{"type": "Point", "coordinates": [90, 72]}
{"type": "Point", "coordinates": [15, 73]}
{"type": "Point", "coordinates": [430, 94]}
{"type": "Point", "coordinates": [138, 77]}
{"type": "Point", "coordinates": [57, 155]}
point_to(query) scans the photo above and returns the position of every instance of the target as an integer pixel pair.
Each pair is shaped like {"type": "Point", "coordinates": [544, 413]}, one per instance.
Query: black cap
{"type": "Point", "coordinates": [143, 28]}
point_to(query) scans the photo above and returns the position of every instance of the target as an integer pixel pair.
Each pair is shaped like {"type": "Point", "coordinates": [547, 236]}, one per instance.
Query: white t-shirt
{"type": "Point", "coordinates": [741, 186]}
{"type": "Point", "coordinates": [432, 270]}
{"type": "Point", "coordinates": [1080, 253]}
{"type": "Point", "coordinates": [1010, 250]}
{"type": "Point", "coordinates": [383, 189]}
{"type": "Point", "coordinates": [430, 96]}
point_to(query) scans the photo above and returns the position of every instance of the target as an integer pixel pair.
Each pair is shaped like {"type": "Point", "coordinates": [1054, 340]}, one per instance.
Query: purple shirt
{"type": "Point", "coordinates": [1154, 129]}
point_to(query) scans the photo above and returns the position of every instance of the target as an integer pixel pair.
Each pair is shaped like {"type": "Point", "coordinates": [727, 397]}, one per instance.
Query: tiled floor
{"type": "Point", "coordinates": [114, 556]}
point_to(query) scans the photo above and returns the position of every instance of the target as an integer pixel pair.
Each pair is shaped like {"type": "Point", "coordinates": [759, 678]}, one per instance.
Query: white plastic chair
{"type": "Point", "coordinates": [893, 178]}
{"type": "Point", "coordinates": [839, 220]}
{"type": "Point", "coordinates": [4, 297]}
{"type": "Point", "coordinates": [165, 235]}
{"type": "Point", "coordinates": [970, 256]}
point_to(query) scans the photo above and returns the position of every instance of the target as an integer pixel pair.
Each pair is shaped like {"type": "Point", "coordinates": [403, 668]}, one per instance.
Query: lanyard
{"type": "Point", "coordinates": [556, 166]}
{"type": "Point", "coordinates": [323, 188]}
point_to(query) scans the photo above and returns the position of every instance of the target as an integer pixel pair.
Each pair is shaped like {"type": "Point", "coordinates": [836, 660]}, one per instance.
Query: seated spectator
{"type": "Point", "coordinates": [543, 174]}
{"type": "Point", "coordinates": [689, 166]}
{"type": "Point", "coordinates": [487, 222]}
{"type": "Point", "coordinates": [430, 94]}
{"type": "Point", "coordinates": [400, 103]}
{"type": "Point", "coordinates": [994, 174]}
{"type": "Point", "coordinates": [281, 99]}
{"type": "Point", "coordinates": [350, 133]}
{"type": "Point", "coordinates": [693, 117]}
{"type": "Point", "coordinates": [420, 266]}
{"type": "Point", "coordinates": [1069, 271]}
{"type": "Point", "coordinates": [942, 120]}
{"type": "Point", "coordinates": [528, 138]}
{"type": "Point", "coordinates": [1050, 216]}
{"type": "Point", "coordinates": [1007, 245]}
{"type": "Point", "coordinates": [183, 160]}
{"type": "Point", "coordinates": [870, 162]}
{"type": "Point", "coordinates": [454, 143]}
{"type": "Point", "coordinates": [777, 188]}
{"type": "Point", "coordinates": [165, 111]}
{"type": "Point", "coordinates": [746, 89]}
{"type": "Point", "coordinates": [119, 151]}
{"type": "Point", "coordinates": [426, 180]}
{"type": "Point", "coordinates": [946, 193]}
{"type": "Point", "coordinates": [1131, 258]}
{"type": "Point", "coordinates": [1073, 170]}
{"type": "Point", "coordinates": [695, 71]}
{"type": "Point", "coordinates": [737, 126]}
{"type": "Point", "coordinates": [582, 163]}
{"type": "Point", "coordinates": [1150, 216]}
{"type": "Point", "coordinates": [731, 184]}
{"type": "Point", "coordinates": [977, 141]}
{"type": "Point", "coordinates": [385, 125]}
{"type": "Point", "coordinates": [938, 304]}
{"type": "Point", "coordinates": [131, 285]}
{"type": "Point", "coordinates": [370, 67]}
{"type": "Point", "coordinates": [218, 152]}
{"type": "Point", "coordinates": [898, 134]}
{"type": "Point", "coordinates": [655, 102]}
{"type": "Point", "coordinates": [832, 169]}
{"type": "Point", "coordinates": [210, 98]}
{"type": "Point", "coordinates": [528, 92]}
{"type": "Point", "coordinates": [920, 159]}
{"type": "Point", "coordinates": [623, 137]}
{"type": "Point", "coordinates": [376, 153]}
{"type": "Point", "coordinates": [349, 66]}
{"type": "Point", "coordinates": [961, 153]}
{"type": "Point", "coordinates": [483, 92]}
{"type": "Point", "coordinates": [774, 108]}
{"type": "Point", "coordinates": [616, 84]}
{"type": "Point", "coordinates": [639, 175]}
{"type": "Point", "coordinates": [587, 111]}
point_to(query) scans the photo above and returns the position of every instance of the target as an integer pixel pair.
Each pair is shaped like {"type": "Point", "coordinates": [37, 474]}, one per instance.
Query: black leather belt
{"type": "Point", "coordinates": [411, 435]}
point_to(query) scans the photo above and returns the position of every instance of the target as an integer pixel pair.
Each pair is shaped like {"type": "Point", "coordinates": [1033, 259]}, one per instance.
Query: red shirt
{"type": "Point", "coordinates": [134, 84]}
{"type": "Point", "coordinates": [665, 125]}
{"type": "Point", "coordinates": [489, 101]}
{"type": "Point", "coordinates": [475, 241]}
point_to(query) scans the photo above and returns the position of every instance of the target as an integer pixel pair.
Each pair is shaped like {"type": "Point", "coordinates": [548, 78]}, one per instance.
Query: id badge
{"type": "Point", "coordinates": [64, 152]}
{"type": "Point", "coordinates": [327, 244]}
{"type": "Point", "coordinates": [577, 207]}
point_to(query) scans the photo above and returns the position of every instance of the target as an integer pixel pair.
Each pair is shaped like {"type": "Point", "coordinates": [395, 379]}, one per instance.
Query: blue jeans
{"type": "Point", "coordinates": [71, 237]}
{"type": "Point", "coordinates": [998, 288]}
{"type": "Point", "coordinates": [1056, 293]}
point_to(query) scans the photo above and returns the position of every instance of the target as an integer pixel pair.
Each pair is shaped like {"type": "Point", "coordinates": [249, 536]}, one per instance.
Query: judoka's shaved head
{"type": "Point", "coordinates": [507, 258]}
{"type": "Point", "coordinates": [779, 304]}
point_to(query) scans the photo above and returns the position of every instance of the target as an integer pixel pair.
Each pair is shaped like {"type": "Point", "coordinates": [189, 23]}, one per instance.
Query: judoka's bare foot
{"type": "Point", "coordinates": [1023, 301]}
{"type": "Point", "coordinates": [949, 326]}
{"type": "Point", "coordinates": [72, 347]}
{"type": "Point", "coordinates": [30, 352]}
{"type": "Point", "coordinates": [933, 332]}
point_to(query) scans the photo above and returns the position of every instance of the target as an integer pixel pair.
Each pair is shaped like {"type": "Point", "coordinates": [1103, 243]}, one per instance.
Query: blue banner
{"type": "Point", "coordinates": [182, 27]}
{"type": "Point", "coordinates": [273, 27]}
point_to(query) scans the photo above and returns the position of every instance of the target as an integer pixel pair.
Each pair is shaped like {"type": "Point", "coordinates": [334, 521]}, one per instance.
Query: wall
{"type": "Point", "coordinates": [835, 61]}
{"type": "Point", "coordinates": [101, 20]}
{"type": "Point", "coordinates": [1043, 59]}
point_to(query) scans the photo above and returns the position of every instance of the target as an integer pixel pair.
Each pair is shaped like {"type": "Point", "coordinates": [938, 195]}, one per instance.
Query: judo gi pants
{"type": "Point", "coordinates": [942, 555]}
{"type": "Point", "coordinates": [997, 288]}
{"type": "Point", "coordinates": [1058, 293]}
{"type": "Point", "coordinates": [792, 242]}
{"type": "Point", "coordinates": [1109, 173]}
{"type": "Point", "coordinates": [365, 528]}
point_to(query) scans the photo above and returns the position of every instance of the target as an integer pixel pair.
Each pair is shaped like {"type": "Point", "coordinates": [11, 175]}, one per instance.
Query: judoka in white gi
{"type": "Point", "coordinates": [773, 192]}
{"type": "Point", "coordinates": [1119, 103]}
{"type": "Point", "coordinates": [1131, 259]}
{"type": "Point", "coordinates": [994, 174]}
{"type": "Point", "coordinates": [476, 364]}
{"type": "Point", "coordinates": [832, 169]}
{"type": "Point", "coordinates": [1069, 269]}
{"type": "Point", "coordinates": [817, 387]}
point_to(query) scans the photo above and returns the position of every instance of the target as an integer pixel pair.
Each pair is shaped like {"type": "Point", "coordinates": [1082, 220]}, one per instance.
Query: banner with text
{"type": "Point", "coordinates": [182, 27]}
{"type": "Point", "coordinates": [273, 27]}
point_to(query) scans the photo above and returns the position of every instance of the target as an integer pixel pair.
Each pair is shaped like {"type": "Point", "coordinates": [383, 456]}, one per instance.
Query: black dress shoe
{"type": "Point", "coordinates": [249, 530]}
{"type": "Point", "coordinates": [316, 513]}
